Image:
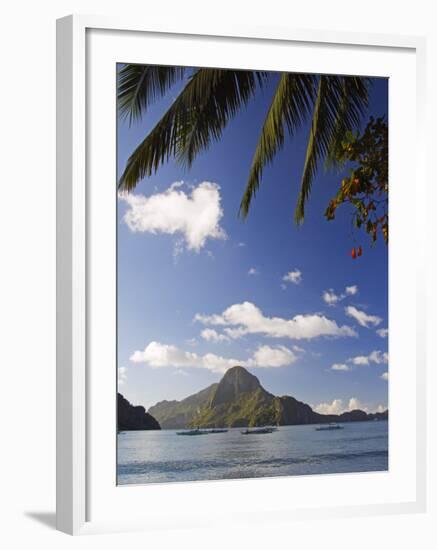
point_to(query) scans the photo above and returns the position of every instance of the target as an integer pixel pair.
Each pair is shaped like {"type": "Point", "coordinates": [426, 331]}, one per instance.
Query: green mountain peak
{"type": "Point", "coordinates": [239, 400]}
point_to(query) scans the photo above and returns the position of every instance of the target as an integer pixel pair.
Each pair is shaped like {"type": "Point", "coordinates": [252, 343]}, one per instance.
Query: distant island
{"type": "Point", "coordinates": [130, 417]}
{"type": "Point", "coordinates": [239, 400]}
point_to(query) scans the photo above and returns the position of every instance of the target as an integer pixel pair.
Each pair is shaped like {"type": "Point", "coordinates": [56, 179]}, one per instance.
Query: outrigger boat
{"type": "Point", "coordinates": [196, 431]}
{"type": "Point", "coordinates": [330, 426]}
{"type": "Point", "coordinates": [263, 430]}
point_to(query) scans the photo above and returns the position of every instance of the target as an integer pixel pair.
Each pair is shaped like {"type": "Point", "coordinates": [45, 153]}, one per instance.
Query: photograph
{"type": "Point", "coordinates": [252, 274]}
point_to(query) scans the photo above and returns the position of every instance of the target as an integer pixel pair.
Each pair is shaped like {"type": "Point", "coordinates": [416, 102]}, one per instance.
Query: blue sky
{"type": "Point", "coordinates": [198, 286]}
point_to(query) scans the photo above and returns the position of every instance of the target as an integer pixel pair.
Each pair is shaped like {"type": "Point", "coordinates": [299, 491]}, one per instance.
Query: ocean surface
{"type": "Point", "coordinates": [162, 456]}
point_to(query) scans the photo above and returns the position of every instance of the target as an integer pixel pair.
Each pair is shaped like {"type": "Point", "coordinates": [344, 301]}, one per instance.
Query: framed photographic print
{"type": "Point", "coordinates": [240, 275]}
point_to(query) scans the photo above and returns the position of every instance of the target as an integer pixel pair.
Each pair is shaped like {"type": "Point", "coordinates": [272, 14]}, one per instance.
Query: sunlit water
{"type": "Point", "coordinates": [162, 456]}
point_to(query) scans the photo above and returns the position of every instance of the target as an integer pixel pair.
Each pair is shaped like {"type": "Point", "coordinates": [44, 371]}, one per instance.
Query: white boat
{"type": "Point", "coordinates": [330, 426]}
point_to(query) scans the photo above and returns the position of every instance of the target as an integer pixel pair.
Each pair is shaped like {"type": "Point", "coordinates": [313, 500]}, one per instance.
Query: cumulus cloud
{"type": "Point", "coordinates": [157, 355]}
{"type": "Point", "coordinates": [253, 271]}
{"type": "Point", "coordinates": [294, 277]}
{"type": "Point", "coordinates": [355, 404]}
{"type": "Point", "coordinates": [362, 317]}
{"type": "Point", "coordinates": [195, 217]}
{"type": "Point", "coordinates": [351, 290]}
{"type": "Point", "coordinates": [382, 332]}
{"type": "Point", "coordinates": [384, 375]}
{"type": "Point", "coordinates": [247, 318]}
{"type": "Point", "coordinates": [331, 298]}
{"type": "Point", "coordinates": [211, 335]}
{"type": "Point", "coordinates": [338, 406]}
{"type": "Point", "coordinates": [121, 375]}
{"type": "Point", "coordinates": [340, 366]}
{"type": "Point", "coordinates": [266, 356]}
{"type": "Point", "coordinates": [376, 356]}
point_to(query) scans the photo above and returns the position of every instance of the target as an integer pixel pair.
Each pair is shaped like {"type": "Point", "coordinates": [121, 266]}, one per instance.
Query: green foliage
{"type": "Point", "coordinates": [178, 414]}
{"type": "Point", "coordinates": [366, 188]}
{"type": "Point", "coordinates": [254, 408]}
{"type": "Point", "coordinates": [290, 105]}
{"type": "Point", "coordinates": [197, 116]}
{"type": "Point", "coordinates": [212, 97]}
{"type": "Point", "coordinates": [338, 109]}
{"type": "Point", "coordinates": [140, 85]}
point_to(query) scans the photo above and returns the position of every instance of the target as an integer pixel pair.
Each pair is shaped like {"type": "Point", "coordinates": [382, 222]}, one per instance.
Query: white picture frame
{"type": "Point", "coordinates": [76, 394]}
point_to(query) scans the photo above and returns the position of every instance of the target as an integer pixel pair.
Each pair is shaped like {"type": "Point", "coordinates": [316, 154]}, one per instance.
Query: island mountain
{"type": "Point", "coordinates": [130, 417]}
{"type": "Point", "coordinates": [240, 400]}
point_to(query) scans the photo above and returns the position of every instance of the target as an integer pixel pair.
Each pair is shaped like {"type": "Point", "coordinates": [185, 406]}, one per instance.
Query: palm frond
{"type": "Point", "coordinates": [352, 108]}
{"type": "Point", "coordinates": [198, 115]}
{"type": "Point", "coordinates": [215, 98]}
{"type": "Point", "coordinates": [291, 103]}
{"type": "Point", "coordinates": [333, 115]}
{"type": "Point", "coordinates": [140, 85]}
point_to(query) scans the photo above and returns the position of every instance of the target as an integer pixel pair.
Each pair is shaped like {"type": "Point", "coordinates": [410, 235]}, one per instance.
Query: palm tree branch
{"type": "Point", "coordinates": [354, 102]}
{"type": "Point", "coordinates": [141, 85]}
{"type": "Point", "coordinates": [216, 98]}
{"type": "Point", "coordinates": [197, 116]}
{"type": "Point", "coordinates": [290, 104]}
{"type": "Point", "coordinates": [332, 117]}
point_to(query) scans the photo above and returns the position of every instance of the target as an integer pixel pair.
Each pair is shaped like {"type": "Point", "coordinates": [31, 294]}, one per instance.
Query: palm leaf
{"type": "Point", "coordinates": [352, 108]}
{"type": "Point", "coordinates": [198, 116]}
{"type": "Point", "coordinates": [338, 108]}
{"type": "Point", "coordinates": [140, 85]}
{"type": "Point", "coordinates": [291, 103]}
{"type": "Point", "coordinates": [216, 98]}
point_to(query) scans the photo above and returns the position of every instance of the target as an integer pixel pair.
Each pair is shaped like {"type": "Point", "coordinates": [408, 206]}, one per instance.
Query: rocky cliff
{"type": "Point", "coordinates": [133, 418]}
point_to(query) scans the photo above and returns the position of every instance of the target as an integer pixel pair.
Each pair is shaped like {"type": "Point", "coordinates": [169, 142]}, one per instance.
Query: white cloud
{"type": "Point", "coordinates": [355, 404]}
{"type": "Point", "coordinates": [382, 332]}
{"type": "Point", "coordinates": [211, 335]}
{"type": "Point", "coordinates": [338, 406]}
{"type": "Point", "coordinates": [241, 244]}
{"type": "Point", "coordinates": [331, 298]}
{"type": "Point", "coordinates": [340, 366]}
{"type": "Point", "coordinates": [121, 375]}
{"type": "Point", "coordinates": [253, 271]}
{"type": "Point", "coordinates": [384, 375]}
{"type": "Point", "coordinates": [376, 356]}
{"type": "Point", "coordinates": [294, 277]}
{"type": "Point", "coordinates": [351, 290]}
{"type": "Point", "coordinates": [157, 355]}
{"type": "Point", "coordinates": [247, 318]}
{"type": "Point", "coordinates": [266, 356]}
{"type": "Point", "coordinates": [195, 216]}
{"type": "Point", "coordinates": [362, 317]}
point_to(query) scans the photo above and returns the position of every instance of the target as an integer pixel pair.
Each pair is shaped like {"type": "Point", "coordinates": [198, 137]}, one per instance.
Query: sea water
{"type": "Point", "coordinates": [163, 456]}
